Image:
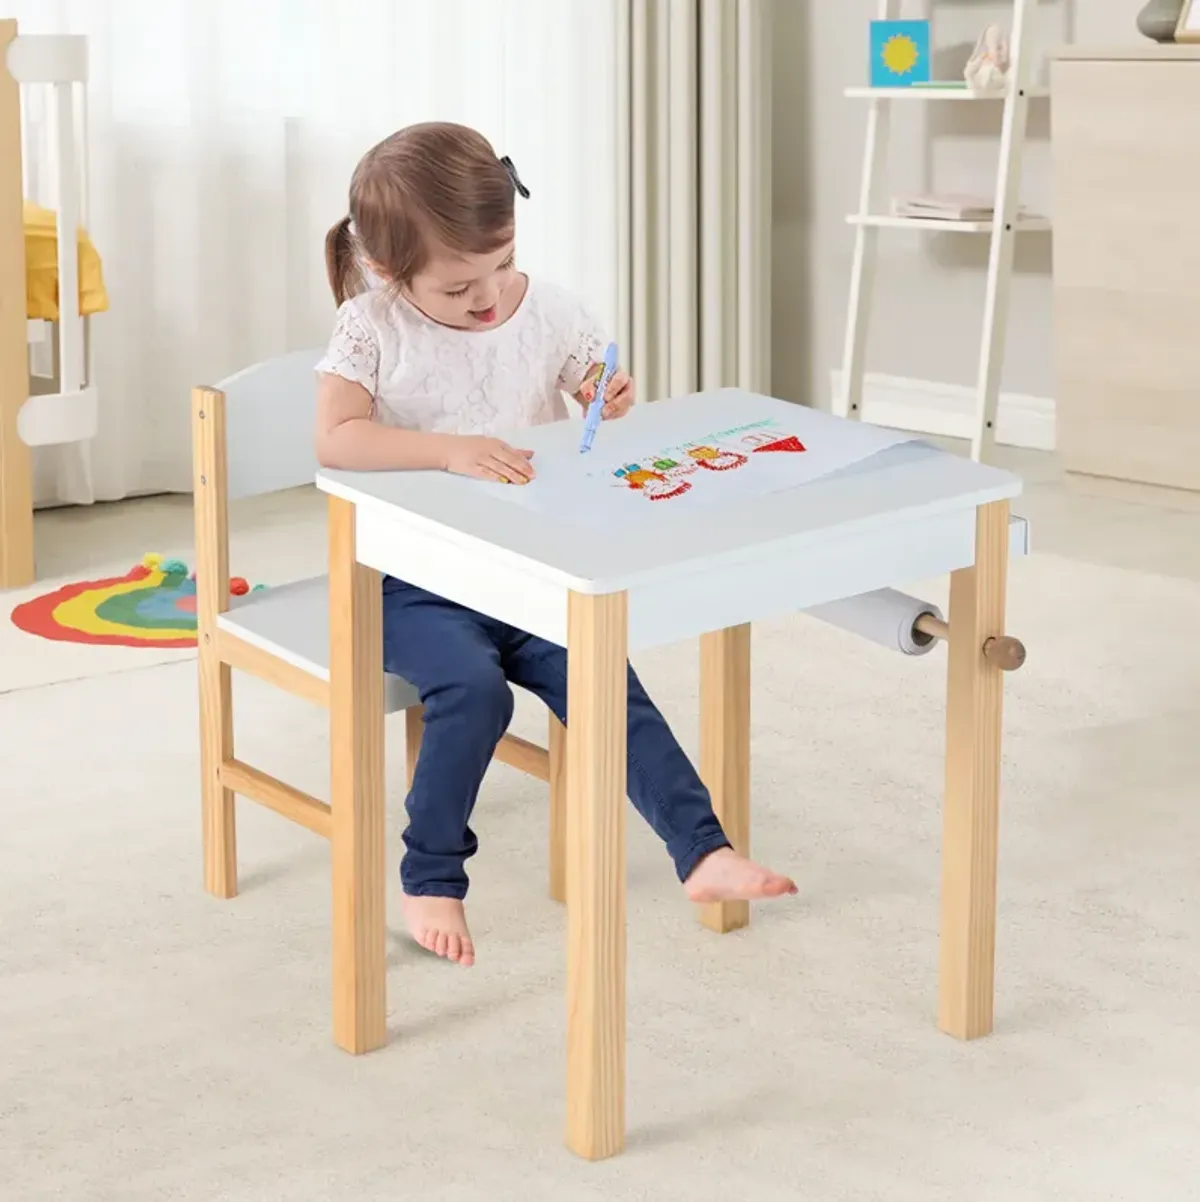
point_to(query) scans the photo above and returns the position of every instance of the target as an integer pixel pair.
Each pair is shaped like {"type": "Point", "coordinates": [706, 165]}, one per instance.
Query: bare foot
{"type": "Point", "coordinates": [439, 925]}
{"type": "Point", "coordinates": [724, 875]}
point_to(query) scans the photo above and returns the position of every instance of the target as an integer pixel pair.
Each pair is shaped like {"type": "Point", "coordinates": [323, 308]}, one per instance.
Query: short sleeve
{"type": "Point", "coordinates": [353, 351]}
{"type": "Point", "coordinates": [585, 342]}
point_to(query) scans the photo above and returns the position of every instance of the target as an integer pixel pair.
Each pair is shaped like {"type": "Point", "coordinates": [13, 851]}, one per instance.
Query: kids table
{"type": "Point", "coordinates": [602, 589]}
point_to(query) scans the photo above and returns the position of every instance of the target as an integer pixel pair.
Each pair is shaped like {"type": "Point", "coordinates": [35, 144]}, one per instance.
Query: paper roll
{"type": "Point", "coordinates": [886, 617]}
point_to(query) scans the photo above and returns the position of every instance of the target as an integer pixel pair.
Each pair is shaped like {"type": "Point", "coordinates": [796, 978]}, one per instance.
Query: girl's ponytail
{"type": "Point", "coordinates": [341, 262]}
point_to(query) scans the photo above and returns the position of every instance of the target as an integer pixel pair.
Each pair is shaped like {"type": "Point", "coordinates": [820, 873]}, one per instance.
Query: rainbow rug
{"type": "Point", "coordinates": [152, 605]}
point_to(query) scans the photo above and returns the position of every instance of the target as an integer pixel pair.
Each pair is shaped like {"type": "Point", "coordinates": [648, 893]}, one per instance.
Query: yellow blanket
{"type": "Point", "coordinates": [41, 268]}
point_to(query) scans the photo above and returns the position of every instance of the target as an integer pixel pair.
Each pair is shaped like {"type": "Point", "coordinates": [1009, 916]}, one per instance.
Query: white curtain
{"type": "Point", "coordinates": [222, 138]}
{"type": "Point", "coordinates": [695, 233]}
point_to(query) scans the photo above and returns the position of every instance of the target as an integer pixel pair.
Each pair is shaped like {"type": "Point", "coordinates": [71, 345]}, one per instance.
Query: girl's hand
{"type": "Point", "coordinates": [618, 396]}
{"type": "Point", "coordinates": [488, 459]}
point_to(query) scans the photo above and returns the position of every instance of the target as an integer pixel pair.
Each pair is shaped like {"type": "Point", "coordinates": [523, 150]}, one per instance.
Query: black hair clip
{"type": "Point", "coordinates": [507, 164]}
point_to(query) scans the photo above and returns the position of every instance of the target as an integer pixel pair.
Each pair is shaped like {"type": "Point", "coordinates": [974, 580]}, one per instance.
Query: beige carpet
{"type": "Point", "coordinates": [158, 1044]}
{"type": "Point", "coordinates": [276, 545]}
{"type": "Point", "coordinates": [28, 661]}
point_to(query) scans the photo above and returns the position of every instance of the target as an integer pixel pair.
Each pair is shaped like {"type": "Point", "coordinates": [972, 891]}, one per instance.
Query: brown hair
{"type": "Point", "coordinates": [430, 184]}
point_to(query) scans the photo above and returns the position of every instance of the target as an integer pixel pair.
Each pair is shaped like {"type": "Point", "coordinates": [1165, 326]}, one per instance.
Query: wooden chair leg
{"type": "Point", "coordinates": [596, 740]}
{"type": "Point", "coordinates": [210, 494]}
{"type": "Point", "coordinates": [16, 473]}
{"type": "Point", "coordinates": [356, 741]}
{"type": "Point", "coordinates": [218, 811]}
{"type": "Point", "coordinates": [967, 944]}
{"type": "Point", "coordinates": [414, 728]}
{"type": "Point", "coordinates": [557, 744]}
{"type": "Point", "coordinates": [725, 751]}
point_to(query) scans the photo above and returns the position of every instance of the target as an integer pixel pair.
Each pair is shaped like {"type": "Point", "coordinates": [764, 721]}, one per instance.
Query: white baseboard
{"type": "Point", "coordinates": [929, 407]}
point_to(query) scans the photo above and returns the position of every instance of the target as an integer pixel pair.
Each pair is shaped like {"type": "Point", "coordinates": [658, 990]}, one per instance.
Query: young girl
{"type": "Point", "coordinates": [440, 342]}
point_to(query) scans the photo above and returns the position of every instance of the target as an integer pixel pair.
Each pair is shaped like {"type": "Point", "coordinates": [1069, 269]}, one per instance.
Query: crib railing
{"type": "Point", "coordinates": [43, 139]}
{"type": "Point", "coordinates": [52, 72]}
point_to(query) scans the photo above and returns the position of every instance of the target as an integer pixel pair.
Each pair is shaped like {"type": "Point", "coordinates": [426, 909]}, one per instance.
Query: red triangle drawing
{"type": "Point", "coordinates": [791, 443]}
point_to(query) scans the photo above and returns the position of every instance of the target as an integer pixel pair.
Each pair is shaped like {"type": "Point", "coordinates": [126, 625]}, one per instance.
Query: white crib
{"type": "Point", "coordinates": [43, 140]}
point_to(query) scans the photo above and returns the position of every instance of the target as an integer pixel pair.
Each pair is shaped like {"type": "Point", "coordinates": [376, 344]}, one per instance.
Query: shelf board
{"type": "Point", "coordinates": [1134, 52]}
{"type": "Point", "coordinates": [954, 94]}
{"type": "Point", "coordinates": [1024, 225]}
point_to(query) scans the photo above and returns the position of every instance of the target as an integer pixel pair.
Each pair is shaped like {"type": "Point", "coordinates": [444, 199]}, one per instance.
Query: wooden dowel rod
{"type": "Point", "coordinates": [1007, 653]}
{"type": "Point", "coordinates": [525, 756]}
{"type": "Point", "coordinates": [934, 627]}
{"type": "Point", "coordinates": [254, 661]}
{"type": "Point", "coordinates": [315, 815]}
{"type": "Point", "coordinates": [275, 795]}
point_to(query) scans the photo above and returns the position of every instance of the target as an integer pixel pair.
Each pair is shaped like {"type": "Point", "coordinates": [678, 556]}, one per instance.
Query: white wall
{"type": "Point", "coordinates": [929, 302]}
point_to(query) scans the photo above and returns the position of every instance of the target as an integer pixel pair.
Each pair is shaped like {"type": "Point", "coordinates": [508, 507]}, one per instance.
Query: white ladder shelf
{"type": "Point", "coordinates": [871, 218]}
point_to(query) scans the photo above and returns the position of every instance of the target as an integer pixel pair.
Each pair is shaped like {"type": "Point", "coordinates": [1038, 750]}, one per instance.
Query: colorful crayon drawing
{"type": "Point", "coordinates": [790, 443]}
{"type": "Point", "coordinates": [673, 469]}
{"type": "Point", "coordinates": [769, 440]}
{"type": "Point", "coordinates": [758, 438]}
{"type": "Point", "coordinates": [715, 459]}
{"type": "Point", "coordinates": [654, 486]}
{"type": "Point", "coordinates": [661, 476]}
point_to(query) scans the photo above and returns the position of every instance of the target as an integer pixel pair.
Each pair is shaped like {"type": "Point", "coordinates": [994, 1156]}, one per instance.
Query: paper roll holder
{"type": "Point", "coordinates": [1002, 650]}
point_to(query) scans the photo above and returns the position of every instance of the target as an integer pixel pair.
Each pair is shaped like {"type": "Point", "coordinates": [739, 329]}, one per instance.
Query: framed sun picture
{"type": "Point", "coordinates": [900, 53]}
{"type": "Point", "coordinates": [1188, 29]}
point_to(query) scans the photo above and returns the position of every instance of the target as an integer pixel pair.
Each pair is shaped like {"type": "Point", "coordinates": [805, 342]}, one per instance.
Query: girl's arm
{"type": "Point", "coordinates": [585, 341]}
{"type": "Point", "coordinates": [347, 438]}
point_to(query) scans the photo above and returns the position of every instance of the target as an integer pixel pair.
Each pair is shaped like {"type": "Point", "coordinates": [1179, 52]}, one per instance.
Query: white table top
{"type": "Point", "coordinates": [893, 487]}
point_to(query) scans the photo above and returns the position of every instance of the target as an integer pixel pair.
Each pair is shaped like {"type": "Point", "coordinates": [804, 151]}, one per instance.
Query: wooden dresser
{"type": "Point", "coordinates": [1126, 152]}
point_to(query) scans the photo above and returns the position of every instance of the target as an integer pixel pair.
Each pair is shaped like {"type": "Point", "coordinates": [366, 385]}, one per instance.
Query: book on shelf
{"type": "Point", "coordinates": [947, 206]}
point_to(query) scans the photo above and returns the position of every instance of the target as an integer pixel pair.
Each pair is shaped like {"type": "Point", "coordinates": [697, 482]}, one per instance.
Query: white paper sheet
{"type": "Point", "coordinates": [755, 456]}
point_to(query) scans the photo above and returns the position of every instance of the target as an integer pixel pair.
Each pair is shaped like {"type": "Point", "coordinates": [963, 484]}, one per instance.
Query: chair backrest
{"type": "Point", "coordinates": [270, 416]}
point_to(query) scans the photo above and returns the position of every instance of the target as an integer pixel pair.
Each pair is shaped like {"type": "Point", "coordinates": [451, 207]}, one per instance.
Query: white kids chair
{"type": "Point", "coordinates": [253, 434]}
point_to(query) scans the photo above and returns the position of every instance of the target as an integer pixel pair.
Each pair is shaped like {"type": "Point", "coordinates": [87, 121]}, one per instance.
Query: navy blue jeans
{"type": "Point", "coordinates": [462, 663]}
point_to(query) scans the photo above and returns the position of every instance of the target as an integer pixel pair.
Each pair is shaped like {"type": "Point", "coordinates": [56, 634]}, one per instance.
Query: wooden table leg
{"type": "Point", "coordinates": [357, 792]}
{"type": "Point", "coordinates": [967, 945]}
{"type": "Point", "coordinates": [597, 694]}
{"type": "Point", "coordinates": [557, 745]}
{"type": "Point", "coordinates": [16, 472]}
{"type": "Point", "coordinates": [725, 751]}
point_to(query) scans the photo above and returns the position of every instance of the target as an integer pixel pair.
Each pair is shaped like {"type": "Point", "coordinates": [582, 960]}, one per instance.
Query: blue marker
{"type": "Point", "coordinates": [596, 408]}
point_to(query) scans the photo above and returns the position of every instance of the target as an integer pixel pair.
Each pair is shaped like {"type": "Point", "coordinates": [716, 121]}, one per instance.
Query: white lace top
{"type": "Point", "coordinates": [426, 376]}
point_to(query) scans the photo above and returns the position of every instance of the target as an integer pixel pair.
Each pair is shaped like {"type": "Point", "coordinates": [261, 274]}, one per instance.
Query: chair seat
{"type": "Point", "coordinates": [291, 622]}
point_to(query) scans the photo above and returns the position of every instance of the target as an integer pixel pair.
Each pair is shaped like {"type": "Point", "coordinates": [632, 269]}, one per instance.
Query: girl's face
{"type": "Point", "coordinates": [468, 292]}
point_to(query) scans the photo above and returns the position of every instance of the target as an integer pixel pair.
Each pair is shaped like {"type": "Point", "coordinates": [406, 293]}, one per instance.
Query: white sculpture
{"type": "Point", "coordinates": [987, 71]}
